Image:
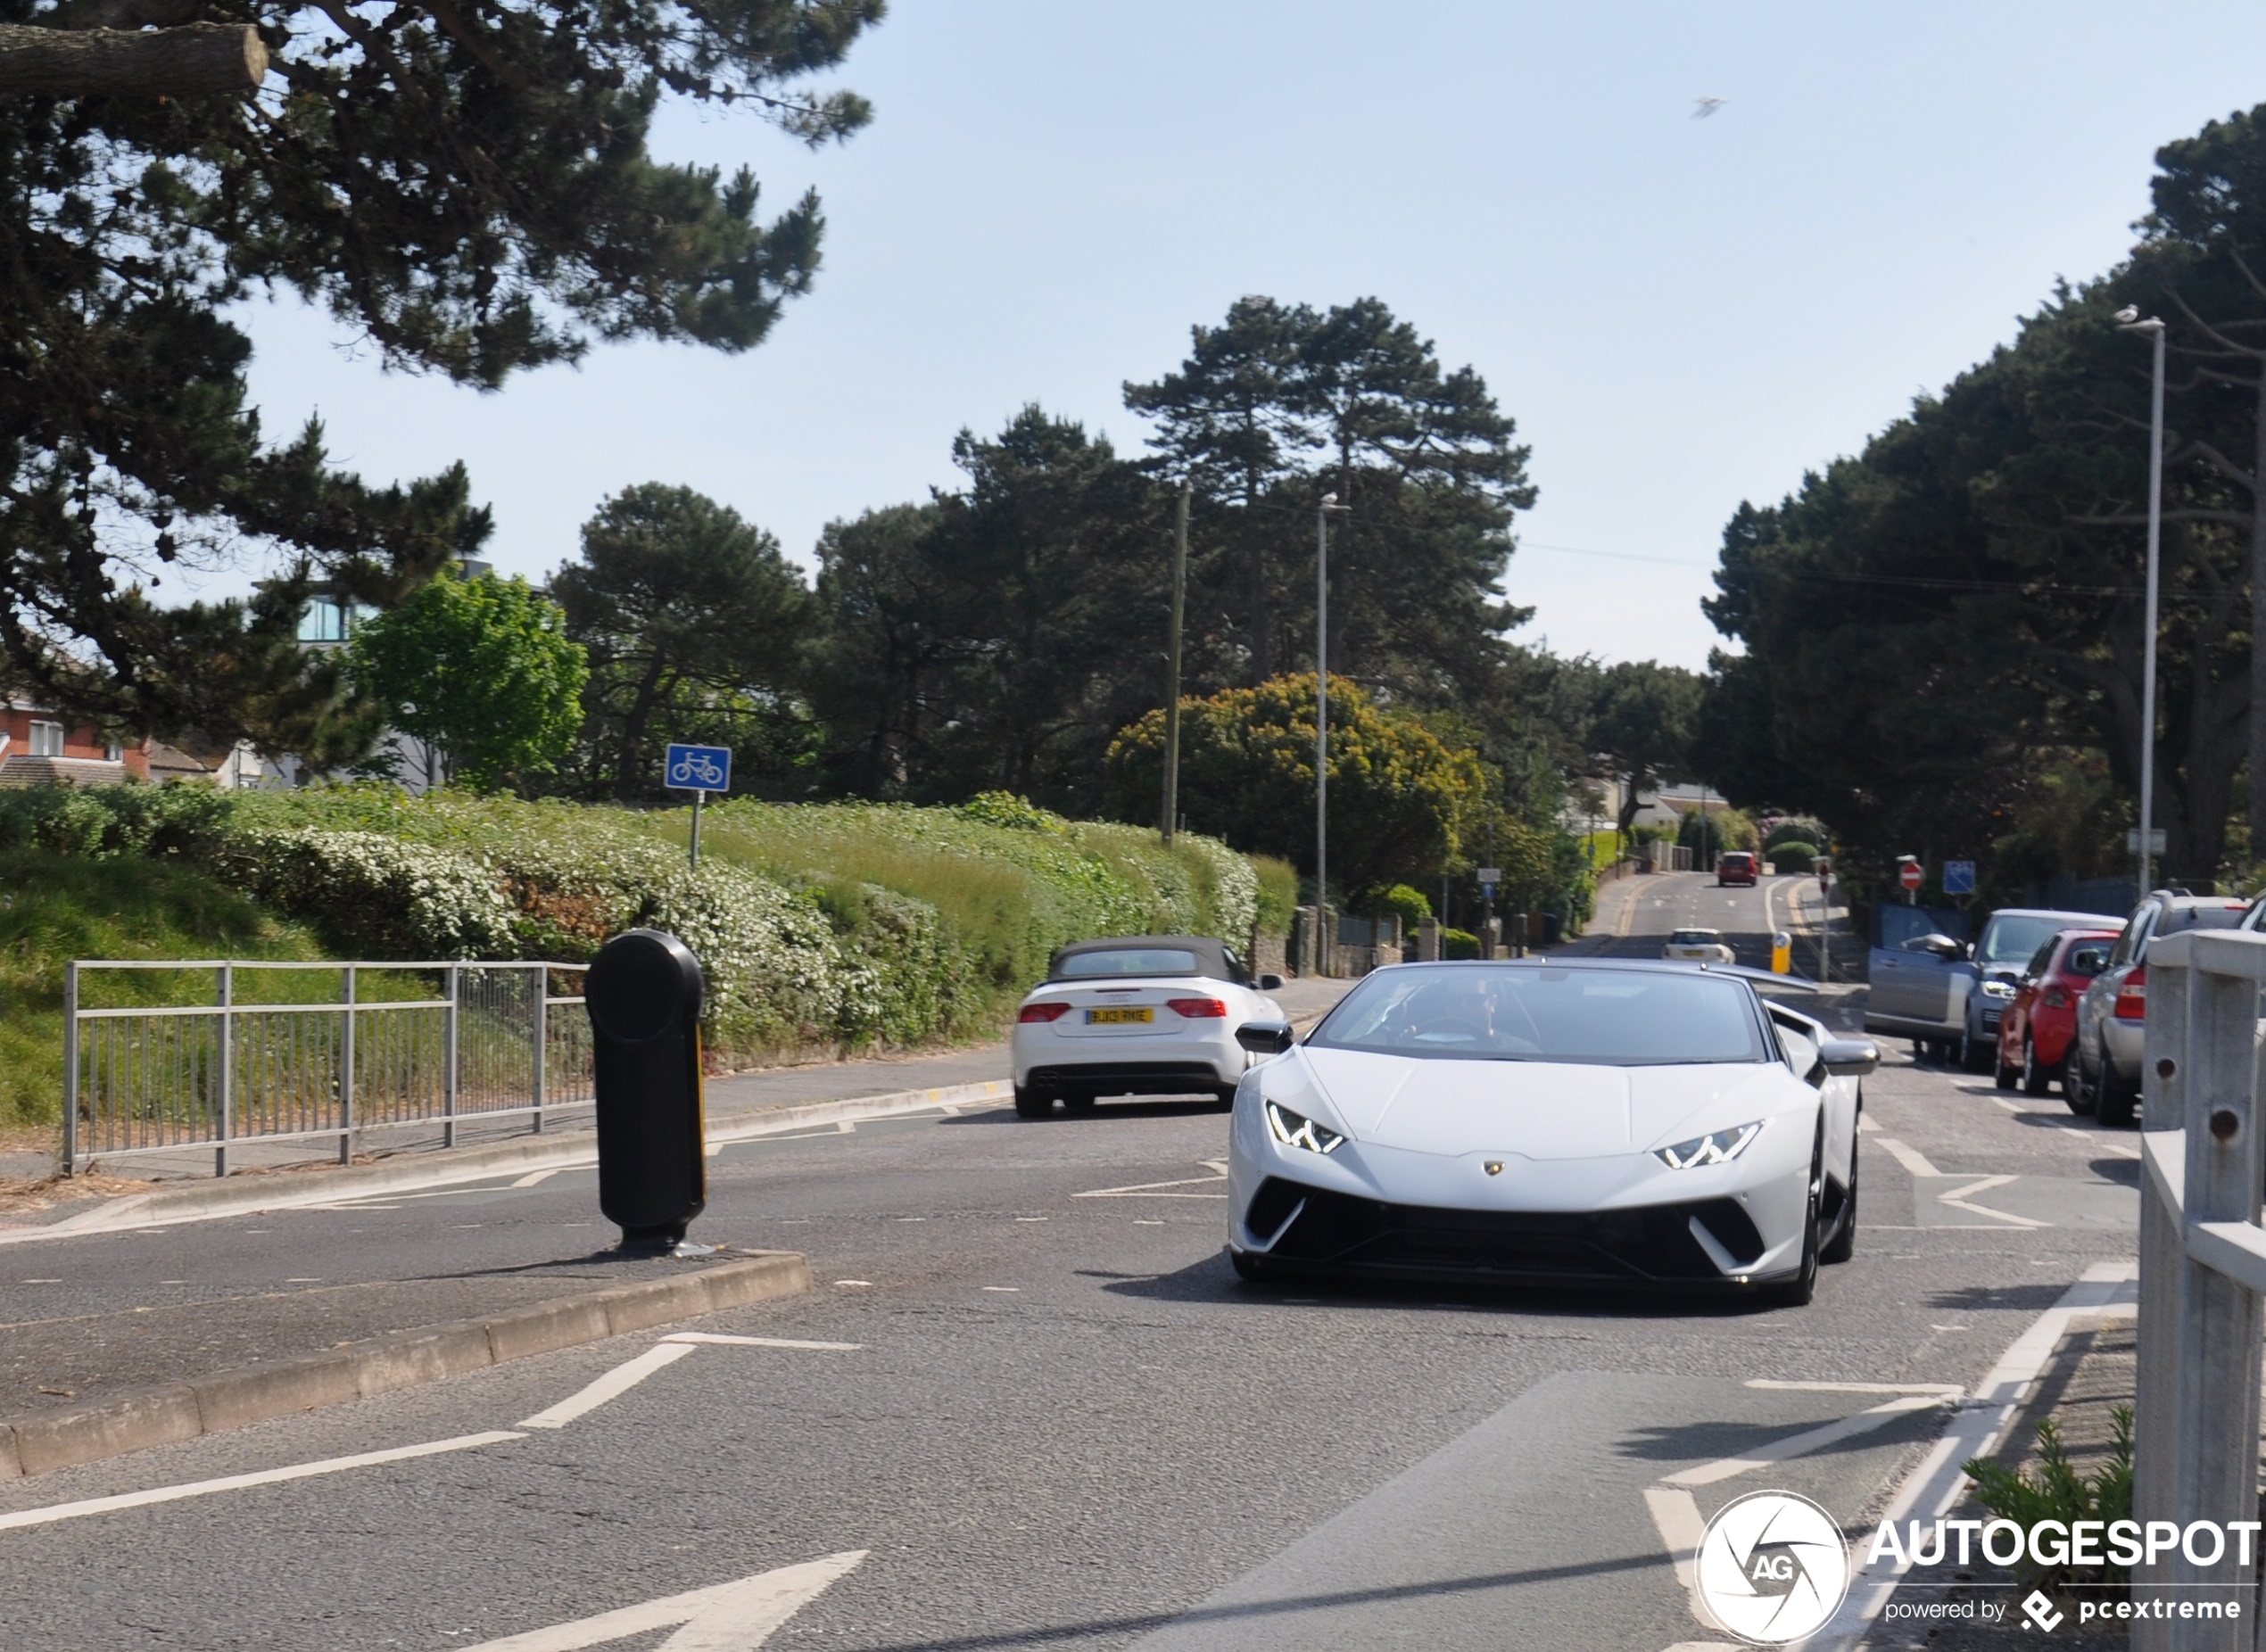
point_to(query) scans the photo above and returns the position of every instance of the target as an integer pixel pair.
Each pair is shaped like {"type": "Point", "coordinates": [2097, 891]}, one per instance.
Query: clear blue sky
{"type": "Point", "coordinates": [1680, 313]}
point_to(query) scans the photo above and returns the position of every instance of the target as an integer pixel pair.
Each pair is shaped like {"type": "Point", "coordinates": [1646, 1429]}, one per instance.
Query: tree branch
{"type": "Point", "coordinates": [195, 60]}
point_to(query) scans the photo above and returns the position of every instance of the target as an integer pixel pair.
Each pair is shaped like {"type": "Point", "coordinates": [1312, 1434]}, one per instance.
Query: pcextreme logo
{"type": "Point", "coordinates": [1773, 1567]}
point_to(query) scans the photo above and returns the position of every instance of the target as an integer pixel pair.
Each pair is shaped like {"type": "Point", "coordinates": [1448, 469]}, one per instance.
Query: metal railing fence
{"type": "Point", "coordinates": [478, 1040]}
{"type": "Point", "coordinates": [2203, 1274]}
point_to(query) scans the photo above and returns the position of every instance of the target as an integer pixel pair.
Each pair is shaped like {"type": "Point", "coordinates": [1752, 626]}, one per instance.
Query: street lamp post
{"type": "Point", "coordinates": [1322, 939]}
{"type": "Point", "coordinates": [2129, 320]}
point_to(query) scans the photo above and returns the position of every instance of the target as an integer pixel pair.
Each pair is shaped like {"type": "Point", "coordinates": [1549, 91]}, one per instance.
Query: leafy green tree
{"type": "Point", "coordinates": [481, 673]}
{"type": "Point", "coordinates": [695, 625]}
{"type": "Point", "coordinates": [464, 183]}
{"type": "Point", "coordinates": [1401, 797]}
{"type": "Point", "coordinates": [995, 638]}
{"type": "Point", "coordinates": [1281, 404]}
{"type": "Point", "coordinates": [1232, 421]}
{"type": "Point", "coordinates": [1642, 721]}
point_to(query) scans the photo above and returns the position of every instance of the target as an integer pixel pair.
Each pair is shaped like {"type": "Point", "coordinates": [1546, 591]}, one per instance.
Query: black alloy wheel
{"type": "Point", "coordinates": [2003, 1075]}
{"type": "Point", "coordinates": [2116, 1099]}
{"type": "Point", "coordinates": [1797, 1292]}
{"type": "Point", "coordinates": [2077, 1084]}
{"type": "Point", "coordinates": [1031, 1103]}
{"type": "Point", "coordinates": [1078, 1101]}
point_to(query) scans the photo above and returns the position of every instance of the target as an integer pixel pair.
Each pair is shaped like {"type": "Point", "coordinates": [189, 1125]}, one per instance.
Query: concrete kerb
{"type": "Point", "coordinates": [221, 1199]}
{"type": "Point", "coordinates": [38, 1442]}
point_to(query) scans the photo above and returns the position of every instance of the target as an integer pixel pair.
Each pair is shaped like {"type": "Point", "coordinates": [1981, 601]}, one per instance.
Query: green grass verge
{"type": "Point", "coordinates": [55, 907]}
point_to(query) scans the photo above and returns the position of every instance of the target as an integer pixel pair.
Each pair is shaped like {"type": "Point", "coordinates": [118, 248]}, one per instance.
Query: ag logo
{"type": "Point", "coordinates": [1773, 1567]}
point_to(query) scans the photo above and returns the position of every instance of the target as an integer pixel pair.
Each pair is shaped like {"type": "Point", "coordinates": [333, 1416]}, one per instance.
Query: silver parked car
{"type": "Point", "coordinates": [1947, 996]}
{"type": "Point", "coordinates": [2104, 1073]}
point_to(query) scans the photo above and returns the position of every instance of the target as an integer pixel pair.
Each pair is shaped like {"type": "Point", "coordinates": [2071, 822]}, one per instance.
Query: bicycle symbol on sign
{"type": "Point", "coordinates": [696, 769]}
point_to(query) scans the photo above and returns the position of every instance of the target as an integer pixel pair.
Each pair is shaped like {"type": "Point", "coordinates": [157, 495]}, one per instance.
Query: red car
{"type": "Point", "coordinates": [2035, 1033]}
{"type": "Point", "coordinates": [1737, 866]}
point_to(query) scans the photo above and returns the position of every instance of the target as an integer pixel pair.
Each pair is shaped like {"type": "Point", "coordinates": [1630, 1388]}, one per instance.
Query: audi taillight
{"type": "Point", "coordinates": [1198, 1009]}
{"type": "Point", "coordinates": [1043, 1012]}
{"type": "Point", "coordinates": [2132, 996]}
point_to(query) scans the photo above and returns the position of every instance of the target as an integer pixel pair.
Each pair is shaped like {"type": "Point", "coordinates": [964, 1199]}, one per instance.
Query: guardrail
{"type": "Point", "coordinates": [2203, 1274]}
{"type": "Point", "coordinates": [486, 1043]}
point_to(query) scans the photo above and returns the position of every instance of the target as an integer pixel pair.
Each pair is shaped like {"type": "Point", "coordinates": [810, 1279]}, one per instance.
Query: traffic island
{"type": "Point", "coordinates": [36, 1441]}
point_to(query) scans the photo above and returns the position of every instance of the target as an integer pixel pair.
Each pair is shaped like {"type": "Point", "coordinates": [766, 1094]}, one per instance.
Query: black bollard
{"type": "Point", "coordinates": [643, 995]}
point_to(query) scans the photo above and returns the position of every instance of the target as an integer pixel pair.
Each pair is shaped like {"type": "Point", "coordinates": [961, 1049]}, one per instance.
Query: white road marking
{"type": "Point", "coordinates": [1011, 1290]}
{"type": "Point", "coordinates": [1675, 1515]}
{"type": "Point", "coordinates": [237, 1483]}
{"type": "Point", "coordinates": [1150, 1190]}
{"type": "Point", "coordinates": [2012, 1107]}
{"type": "Point", "coordinates": [1910, 1158]}
{"type": "Point", "coordinates": [1957, 1200]}
{"type": "Point", "coordinates": [728, 1617]}
{"type": "Point", "coordinates": [859, 1281]}
{"type": "Point", "coordinates": [534, 1178]}
{"type": "Point", "coordinates": [1808, 1440]}
{"type": "Point", "coordinates": [1865, 1127]}
{"type": "Point", "coordinates": [717, 1339]}
{"type": "Point", "coordinates": [1949, 1391]}
{"type": "Point", "coordinates": [615, 1384]}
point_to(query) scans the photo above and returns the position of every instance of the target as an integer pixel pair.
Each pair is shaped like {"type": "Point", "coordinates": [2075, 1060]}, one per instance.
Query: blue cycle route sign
{"type": "Point", "coordinates": [697, 768]}
{"type": "Point", "coordinates": [1959, 877]}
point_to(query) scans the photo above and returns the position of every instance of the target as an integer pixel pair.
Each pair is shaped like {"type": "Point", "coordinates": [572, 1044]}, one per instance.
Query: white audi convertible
{"type": "Point", "coordinates": [1553, 1121]}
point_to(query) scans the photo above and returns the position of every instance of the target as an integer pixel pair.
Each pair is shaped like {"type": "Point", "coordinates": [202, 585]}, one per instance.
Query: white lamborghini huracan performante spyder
{"type": "Point", "coordinates": [1551, 1121]}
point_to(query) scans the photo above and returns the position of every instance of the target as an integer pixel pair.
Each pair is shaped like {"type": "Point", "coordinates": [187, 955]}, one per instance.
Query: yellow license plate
{"type": "Point", "coordinates": [1118, 1018]}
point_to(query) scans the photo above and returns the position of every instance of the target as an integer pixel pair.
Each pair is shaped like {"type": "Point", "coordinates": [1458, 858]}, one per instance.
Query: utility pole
{"type": "Point", "coordinates": [1172, 666]}
{"type": "Point", "coordinates": [2129, 321]}
{"type": "Point", "coordinates": [1321, 729]}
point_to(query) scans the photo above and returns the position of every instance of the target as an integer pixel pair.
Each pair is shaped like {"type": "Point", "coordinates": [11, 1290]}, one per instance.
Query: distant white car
{"type": "Point", "coordinates": [1577, 1122]}
{"type": "Point", "coordinates": [1137, 1015]}
{"type": "Point", "coordinates": [1697, 946]}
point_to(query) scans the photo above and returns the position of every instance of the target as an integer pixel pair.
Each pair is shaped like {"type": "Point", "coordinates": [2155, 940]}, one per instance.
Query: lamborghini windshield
{"type": "Point", "coordinates": [1525, 1013]}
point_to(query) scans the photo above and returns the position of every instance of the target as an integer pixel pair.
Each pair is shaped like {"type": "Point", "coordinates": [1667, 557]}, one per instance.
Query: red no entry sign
{"type": "Point", "coordinates": [1910, 875]}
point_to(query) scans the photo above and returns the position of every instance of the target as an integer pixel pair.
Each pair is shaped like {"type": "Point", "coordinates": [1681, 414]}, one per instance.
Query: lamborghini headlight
{"type": "Point", "coordinates": [1720, 1148]}
{"type": "Point", "coordinates": [1297, 1130]}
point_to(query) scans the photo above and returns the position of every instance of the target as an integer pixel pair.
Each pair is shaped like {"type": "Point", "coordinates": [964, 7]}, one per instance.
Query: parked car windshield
{"type": "Point", "coordinates": [1083, 966]}
{"type": "Point", "coordinates": [2011, 940]}
{"type": "Point", "coordinates": [1613, 1017]}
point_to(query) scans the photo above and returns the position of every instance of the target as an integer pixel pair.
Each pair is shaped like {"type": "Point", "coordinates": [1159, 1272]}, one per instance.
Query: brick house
{"type": "Point", "coordinates": [37, 748]}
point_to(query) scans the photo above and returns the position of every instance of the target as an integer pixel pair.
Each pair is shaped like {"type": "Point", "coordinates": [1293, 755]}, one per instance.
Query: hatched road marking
{"type": "Point", "coordinates": [615, 1384]}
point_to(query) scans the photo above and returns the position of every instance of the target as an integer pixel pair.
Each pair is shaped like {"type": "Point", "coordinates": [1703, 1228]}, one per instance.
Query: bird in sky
{"type": "Point", "coordinates": [1706, 106]}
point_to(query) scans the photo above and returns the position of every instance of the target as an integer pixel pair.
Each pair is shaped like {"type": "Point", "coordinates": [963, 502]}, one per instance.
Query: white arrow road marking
{"type": "Point", "coordinates": [726, 1617]}
{"type": "Point", "coordinates": [615, 1384]}
{"type": "Point", "coordinates": [237, 1483]}
{"type": "Point", "coordinates": [1957, 1200]}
